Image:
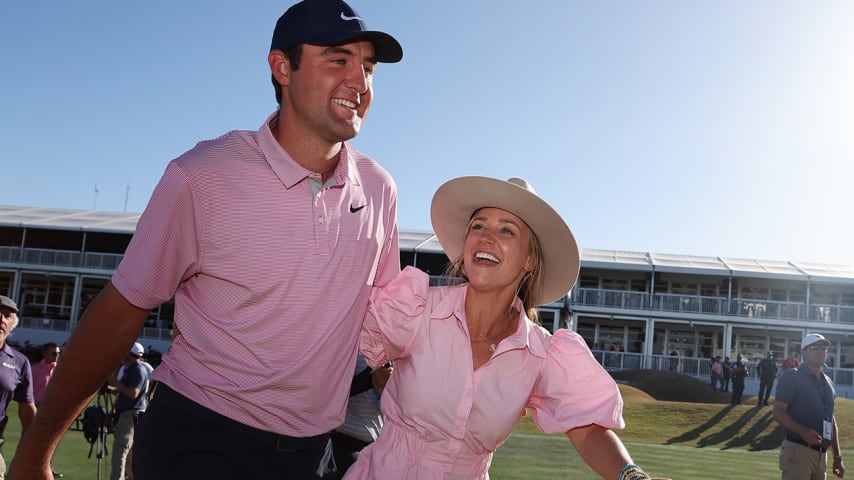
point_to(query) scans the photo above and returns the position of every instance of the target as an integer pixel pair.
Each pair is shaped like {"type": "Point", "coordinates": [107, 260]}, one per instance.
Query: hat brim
{"type": "Point", "coordinates": [455, 201]}
{"type": "Point", "coordinates": [386, 48]}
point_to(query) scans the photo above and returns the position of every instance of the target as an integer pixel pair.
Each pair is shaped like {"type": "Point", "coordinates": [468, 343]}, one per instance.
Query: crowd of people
{"type": "Point", "coordinates": [256, 385]}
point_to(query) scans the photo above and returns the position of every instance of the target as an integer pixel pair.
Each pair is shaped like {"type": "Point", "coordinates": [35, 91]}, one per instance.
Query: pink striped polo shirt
{"type": "Point", "coordinates": [270, 283]}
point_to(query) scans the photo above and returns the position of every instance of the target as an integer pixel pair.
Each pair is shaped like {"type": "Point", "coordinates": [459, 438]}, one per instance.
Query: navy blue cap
{"type": "Point", "coordinates": [327, 22]}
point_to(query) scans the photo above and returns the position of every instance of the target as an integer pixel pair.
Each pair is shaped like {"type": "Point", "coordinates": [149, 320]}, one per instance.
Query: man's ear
{"type": "Point", "coordinates": [280, 67]}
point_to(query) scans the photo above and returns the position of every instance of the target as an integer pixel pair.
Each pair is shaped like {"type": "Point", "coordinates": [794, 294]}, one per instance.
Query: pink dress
{"type": "Point", "coordinates": [444, 420]}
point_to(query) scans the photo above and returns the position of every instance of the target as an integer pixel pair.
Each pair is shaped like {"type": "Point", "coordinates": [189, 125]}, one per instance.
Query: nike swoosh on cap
{"type": "Point", "coordinates": [345, 17]}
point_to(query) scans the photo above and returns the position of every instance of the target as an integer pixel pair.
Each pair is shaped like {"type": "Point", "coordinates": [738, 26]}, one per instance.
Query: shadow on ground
{"type": "Point", "coordinates": [727, 427]}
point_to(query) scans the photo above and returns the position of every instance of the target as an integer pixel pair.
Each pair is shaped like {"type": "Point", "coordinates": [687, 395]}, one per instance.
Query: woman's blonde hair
{"type": "Point", "coordinates": [529, 287]}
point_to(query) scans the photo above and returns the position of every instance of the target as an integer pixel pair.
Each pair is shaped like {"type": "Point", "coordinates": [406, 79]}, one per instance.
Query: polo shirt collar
{"type": "Point", "coordinates": [290, 172]}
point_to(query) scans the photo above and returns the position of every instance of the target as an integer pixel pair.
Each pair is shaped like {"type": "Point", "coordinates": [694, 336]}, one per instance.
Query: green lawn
{"type": "Point", "coordinates": [682, 440]}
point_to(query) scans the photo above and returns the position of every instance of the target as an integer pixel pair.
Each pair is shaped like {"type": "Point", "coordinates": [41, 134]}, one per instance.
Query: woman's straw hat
{"type": "Point", "coordinates": [456, 201]}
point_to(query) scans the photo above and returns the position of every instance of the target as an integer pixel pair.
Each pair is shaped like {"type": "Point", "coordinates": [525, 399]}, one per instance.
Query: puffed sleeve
{"type": "Point", "coordinates": [394, 315]}
{"type": "Point", "coordinates": [573, 389]}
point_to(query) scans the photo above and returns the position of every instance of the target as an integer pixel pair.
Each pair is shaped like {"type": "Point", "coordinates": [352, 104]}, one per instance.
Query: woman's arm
{"type": "Point", "coordinates": [603, 451]}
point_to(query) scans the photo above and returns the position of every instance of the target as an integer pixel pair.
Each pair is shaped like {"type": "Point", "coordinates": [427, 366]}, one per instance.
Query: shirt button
{"type": "Point", "coordinates": [320, 220]}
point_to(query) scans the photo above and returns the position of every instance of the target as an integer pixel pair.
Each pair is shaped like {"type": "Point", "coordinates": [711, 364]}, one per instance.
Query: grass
{"type": "Point", "coordinates": [701, 437]}
{"type": "Point", "coordinates": [676, 427]}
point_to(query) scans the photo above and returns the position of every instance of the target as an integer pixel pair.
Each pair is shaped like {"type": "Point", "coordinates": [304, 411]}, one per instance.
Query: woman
{"type": "Point", "coordinates": [469, 359]}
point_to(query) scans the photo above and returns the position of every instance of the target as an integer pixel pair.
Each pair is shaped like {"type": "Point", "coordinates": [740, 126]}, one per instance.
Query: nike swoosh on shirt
{"type": "Point", "coordinates": [345, 17]}
{"type": "Point", "coordinates": [356, 209]}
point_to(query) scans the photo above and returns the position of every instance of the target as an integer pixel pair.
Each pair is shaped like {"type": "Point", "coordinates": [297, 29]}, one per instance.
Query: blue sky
{"type": "Point", "coordinates": [714, 128]}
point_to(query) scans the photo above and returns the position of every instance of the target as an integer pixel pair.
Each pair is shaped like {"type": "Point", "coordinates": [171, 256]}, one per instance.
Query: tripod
{"type": "Point", "coordinates": [104, 407]}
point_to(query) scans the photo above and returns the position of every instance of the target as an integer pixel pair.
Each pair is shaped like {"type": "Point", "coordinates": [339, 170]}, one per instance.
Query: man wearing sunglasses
{"type": "Point", "coordinates": [804, 407]}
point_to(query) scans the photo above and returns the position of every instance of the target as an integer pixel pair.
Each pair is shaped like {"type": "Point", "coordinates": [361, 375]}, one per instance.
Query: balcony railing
{"type": "Point", "coordinates": [739, 307]}
{"type": "Point", "coordinates": [60, 258]}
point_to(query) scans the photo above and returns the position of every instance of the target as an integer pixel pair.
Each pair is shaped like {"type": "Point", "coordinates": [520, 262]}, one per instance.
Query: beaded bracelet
{"type": "Point", "coordinates": [633, 472]}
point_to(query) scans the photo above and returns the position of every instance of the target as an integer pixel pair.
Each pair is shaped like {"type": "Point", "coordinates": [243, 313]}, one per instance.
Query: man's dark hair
{"type": "Point", "coordinates": [294, 55]}
{"type": "Point", "coordinates": [49, 347]}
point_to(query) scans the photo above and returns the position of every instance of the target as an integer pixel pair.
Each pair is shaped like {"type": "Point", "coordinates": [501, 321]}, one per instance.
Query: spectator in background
{"type": "Point", "coordinates": [364, 418]}
{"type": "Point", "coordinates": [804, 406]}
{"type": "Point", "coordinates": [739, 373]}
{"type": "Point", "coordinates": [44, 369]}
{"type": "Point", "coordinates": [767, 370]}
{"type": "Point", "coordinates": [131, 400]}
{"type": "Point", "coordinates": [42, 372]}
{"type": "Point", "coordinates": [16, 377]}
{"type": "Point", "coordinates": [726, 366]}
{"type": "Point", "coordinates": [715, 372]}
{"type": "Point", "coordinates": [790, 362]}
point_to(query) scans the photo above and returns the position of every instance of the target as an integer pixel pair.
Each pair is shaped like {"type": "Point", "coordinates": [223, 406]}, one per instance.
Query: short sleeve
{"type": "Point", "coordinates": [393, 318]}
{"type": "Point", "coordinates": [164, 249]}
{"type": "Point", "coordinates": [24, 391]}
{"type": "Point", "coordinates": [573, 389]}
{"type": "Point", "coordinates": [786, 387]}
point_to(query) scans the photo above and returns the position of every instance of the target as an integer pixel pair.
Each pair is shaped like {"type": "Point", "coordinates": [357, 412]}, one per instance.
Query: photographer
{"type": "Point", "coordinates": [130, 402]}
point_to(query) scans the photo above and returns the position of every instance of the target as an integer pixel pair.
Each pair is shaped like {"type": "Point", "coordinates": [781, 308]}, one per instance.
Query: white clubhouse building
{"type": "Point", "coordinates": [635, 309]}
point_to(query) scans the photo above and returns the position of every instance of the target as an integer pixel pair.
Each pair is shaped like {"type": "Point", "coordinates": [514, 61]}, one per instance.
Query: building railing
{"type": "Point", "coordinates": [739, 307]}
{"type": "Point", "coordinates": [54, 324]}
{"type": "Point", "coordinates": [60, 258]}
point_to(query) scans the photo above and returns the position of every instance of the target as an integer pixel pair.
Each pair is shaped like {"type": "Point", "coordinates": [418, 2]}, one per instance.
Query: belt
{"type": "Point", "coordinates": [817, 448]}
{"type": "Point", "coordinates": [167, 397]}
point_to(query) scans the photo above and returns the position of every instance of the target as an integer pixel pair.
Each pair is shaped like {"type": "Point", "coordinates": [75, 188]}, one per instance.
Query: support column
{"type": "Point", "coordinates": [648, 339]}
{"type": "Point", "coordinates": [728, 340]}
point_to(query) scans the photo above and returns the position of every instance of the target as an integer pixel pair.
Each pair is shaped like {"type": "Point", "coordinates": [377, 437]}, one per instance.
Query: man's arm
{"type": "Point", "coordinates": [26, 412]}
{"type": "Point", "coordinates": [120, 387]}
{"type": "Point", "coordinates": [100, 341]}
{"type": "Point", "coordinates": [838, 466]}
{"type": "Point", "coordinates": [781, 415]}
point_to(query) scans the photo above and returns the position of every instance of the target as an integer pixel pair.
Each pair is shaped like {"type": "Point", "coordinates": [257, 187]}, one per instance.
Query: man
{"type": "Point", "coordinates": [715, 373]}
{"type": "Point", "coordinates": [726, 375]}
{"type": "Point", "coordinates": [16, 379]}
{"type": "Point", "coordinates": [790, 362]}
{"type": "Point", "coordinates": [42, 372]}
{"type": "Point", "coordinates": [767, 370]}
{"type": "Point", "coordinates": [270, 242]}
{"type": "Point", "coordinates": [130, 401]}
{"type": "Point", "coordinates": [738, 372]}
{"type": "Point", "coordinates": [803, 406]}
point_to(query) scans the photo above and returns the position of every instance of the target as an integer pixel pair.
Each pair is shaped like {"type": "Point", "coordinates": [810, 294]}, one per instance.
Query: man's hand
{"type": "Point", "coordinates": [838, 467]}
{"type": "Point", "coordinates": [380, 376]}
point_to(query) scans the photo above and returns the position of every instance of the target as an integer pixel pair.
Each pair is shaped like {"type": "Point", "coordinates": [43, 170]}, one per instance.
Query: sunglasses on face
{"type": "Point", "coordinates": [817, 347]}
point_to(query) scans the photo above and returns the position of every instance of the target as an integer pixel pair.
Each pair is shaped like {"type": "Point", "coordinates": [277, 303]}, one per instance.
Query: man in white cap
{"type": "Point", "coordinates": [16, 382]}
{"type": "Point", "coordinates": [804, 407]}
{"type": "Point", "coordinates": [131, 400]}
